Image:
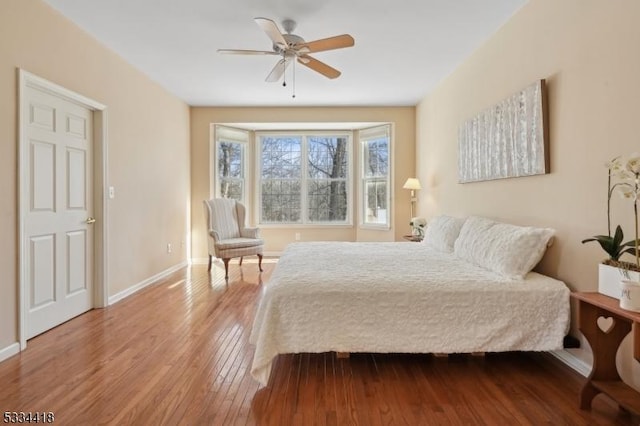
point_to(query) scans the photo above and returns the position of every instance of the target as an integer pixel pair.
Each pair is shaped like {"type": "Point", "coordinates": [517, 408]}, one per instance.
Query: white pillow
{"type": "Point", "coordinates": [442, 232]}
{"type": "Point", "coordinates": [509, 250]}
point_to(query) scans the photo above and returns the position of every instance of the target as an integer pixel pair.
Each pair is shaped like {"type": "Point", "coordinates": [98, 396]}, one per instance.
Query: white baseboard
{"type": "Point", "coordinates": [9, 351]}
{"type": "Point", "coordinates": [572, 361]}
{"type": "Point", "coordinates": [151, 280]}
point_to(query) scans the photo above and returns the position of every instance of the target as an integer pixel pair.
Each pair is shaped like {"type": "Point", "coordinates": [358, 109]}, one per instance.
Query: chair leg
{"type": "Point", "coordinates": [209, 268]}
{"type": "Point", "coordinates": [260, 262]}
{"type": "Point", "coordinates": [226, 268]}
{"type": "Point", "coordinates": [241, 260]}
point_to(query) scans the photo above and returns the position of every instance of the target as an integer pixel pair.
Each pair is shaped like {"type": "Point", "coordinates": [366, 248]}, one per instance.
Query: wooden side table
{"type": "Point", "coordinates": [604, 377]}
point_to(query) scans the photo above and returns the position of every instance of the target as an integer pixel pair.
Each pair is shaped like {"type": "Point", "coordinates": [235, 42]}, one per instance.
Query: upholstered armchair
{"type": "Point", "coordinates": [227, 235]}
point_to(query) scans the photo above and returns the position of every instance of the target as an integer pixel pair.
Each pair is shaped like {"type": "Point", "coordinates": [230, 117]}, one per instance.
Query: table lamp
{"type": "Point", "coordinates": [413, 184]}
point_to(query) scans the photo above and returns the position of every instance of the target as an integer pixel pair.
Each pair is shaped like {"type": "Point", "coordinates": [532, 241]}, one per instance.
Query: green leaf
{"type": "Point", "coordinates": [602, 237]}
{"type": "Point", "coordinates": [607, 245]}
{"type": "Point", "coordinates": [612, 245]}
{"type": "Point", "coordinates": [617, 238]}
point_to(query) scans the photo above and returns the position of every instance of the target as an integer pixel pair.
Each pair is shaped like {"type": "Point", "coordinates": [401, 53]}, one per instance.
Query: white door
{"type": "Point", "coordinates": [58, 229]}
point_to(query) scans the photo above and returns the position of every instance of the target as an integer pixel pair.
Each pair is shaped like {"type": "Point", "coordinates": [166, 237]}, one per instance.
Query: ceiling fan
{"type": "Point", "coordinates": [292, 48]}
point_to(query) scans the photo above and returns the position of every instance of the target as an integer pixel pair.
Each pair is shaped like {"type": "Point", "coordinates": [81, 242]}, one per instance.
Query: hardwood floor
{"type": "Point", "coordinates": [177, 352]}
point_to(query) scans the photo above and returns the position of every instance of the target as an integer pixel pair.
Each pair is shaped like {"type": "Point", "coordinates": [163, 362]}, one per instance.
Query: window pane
{"type": "Point", "coordinates": [327, 201]}
{"type": "Point", "coordinates": [376, 157]}
{"type": "Point", "coordinates": [376, 203]}
{"type": "Point", "coordinates": [327, 157]}
{"type": "Point", "coordinates": [376, 199]}
{"type": "Point", "coordinates": [281, 201]}
{"type": "Point", "coordinates": [230, 170]}
{"type": "Point", "coordinates": [281, 157]}
{"type": "Point", "coordinates": [231, 188]}
{"type": "Point", "coordinates": [303, 178]}
{"type": "Point", "coordinates": [230, 159]}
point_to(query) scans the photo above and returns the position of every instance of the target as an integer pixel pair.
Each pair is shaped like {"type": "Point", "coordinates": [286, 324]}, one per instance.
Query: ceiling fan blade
{"type": "Point", "coordinates": [278, 71]}
{"type": "Point", "coordinates": [337, 42]}
{"type": "Point", "coordinates": [319, 66]}
{"type": "Point", "coordinates": [246, 52]}
{"type": "Point", "coordinates": [272, 30]}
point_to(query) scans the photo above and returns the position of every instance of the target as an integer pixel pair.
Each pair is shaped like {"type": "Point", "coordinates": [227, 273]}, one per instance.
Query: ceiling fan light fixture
{"type": "Point", "coordinates": [289, 25]}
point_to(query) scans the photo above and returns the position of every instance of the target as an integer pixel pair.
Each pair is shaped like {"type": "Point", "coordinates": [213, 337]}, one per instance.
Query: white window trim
{"type": "Point", "coordinates": [362, 180]}
{"type": "Point", "coordinates": [348, 223]}
{"type": "Point", "coordinates": [213, 167]}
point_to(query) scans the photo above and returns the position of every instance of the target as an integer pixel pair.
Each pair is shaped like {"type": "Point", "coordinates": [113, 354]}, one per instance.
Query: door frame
{"type": "Point", "coordinates": [100, 178]}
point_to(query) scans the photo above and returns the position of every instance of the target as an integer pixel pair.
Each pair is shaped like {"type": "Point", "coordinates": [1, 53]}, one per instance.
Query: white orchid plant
{"type": "Point", "coordinates": [418, 224]}
{"type": "Point", "coordinates": [626, 174]}
{"type": "Point", "coordinates": [628, 185]}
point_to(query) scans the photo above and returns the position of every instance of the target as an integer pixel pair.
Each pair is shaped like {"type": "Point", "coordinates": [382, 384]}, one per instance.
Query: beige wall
{"type": "Point", "coordinates": [588, 52]}
{"type": "Point", "coordinates": [148, 148]}
{"type": "Point", "coordinates": [276, 239]}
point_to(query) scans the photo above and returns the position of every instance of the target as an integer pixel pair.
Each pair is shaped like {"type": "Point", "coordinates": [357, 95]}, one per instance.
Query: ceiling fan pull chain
{"type": "Point", "coordinates": [284, 70]}
{"type": "Point", "coordinates": [294, 78]}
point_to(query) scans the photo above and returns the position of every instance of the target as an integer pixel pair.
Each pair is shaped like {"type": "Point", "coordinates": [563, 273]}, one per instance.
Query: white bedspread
{"type": "Point", "coordinates": [400, 297]}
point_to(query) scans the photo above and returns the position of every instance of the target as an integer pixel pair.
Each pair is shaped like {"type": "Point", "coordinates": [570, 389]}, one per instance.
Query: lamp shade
{"type": "Point", "coordinates": [412, 183]}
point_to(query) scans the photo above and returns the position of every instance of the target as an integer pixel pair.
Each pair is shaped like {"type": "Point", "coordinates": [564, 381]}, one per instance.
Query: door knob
{"type": "Point", "coordinates": [90, 221]}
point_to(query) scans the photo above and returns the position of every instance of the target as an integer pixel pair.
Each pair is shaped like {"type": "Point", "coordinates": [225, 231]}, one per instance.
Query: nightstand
{"type": "Point", "coordinates": [604, 377]}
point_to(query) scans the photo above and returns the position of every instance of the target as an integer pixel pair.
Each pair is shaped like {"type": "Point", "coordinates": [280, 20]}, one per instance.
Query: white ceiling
{"type": "Point", "coordinates": [402, 50]}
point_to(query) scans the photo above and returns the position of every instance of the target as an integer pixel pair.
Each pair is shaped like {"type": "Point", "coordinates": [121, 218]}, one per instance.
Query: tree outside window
{"type": "Point", "coordinates": [327, 184]}
{"type": "Point", "coordinates": [230, 170]}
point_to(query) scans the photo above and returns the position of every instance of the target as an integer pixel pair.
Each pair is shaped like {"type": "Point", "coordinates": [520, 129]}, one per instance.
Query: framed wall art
{"type": "Point", "coordinates": [510, 139]}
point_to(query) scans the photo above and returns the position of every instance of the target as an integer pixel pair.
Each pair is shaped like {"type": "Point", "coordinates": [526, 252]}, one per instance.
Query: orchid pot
{"type": "Point", "coordinates": [630, 295]}
{"type": "Point", "coordinates": [611, 274]}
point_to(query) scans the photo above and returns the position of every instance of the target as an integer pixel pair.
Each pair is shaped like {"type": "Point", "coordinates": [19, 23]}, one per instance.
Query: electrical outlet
{"type": "Point", "coordinates": [168, 247]}
{"type": "Point", "coordinates": [297, 236]}
{"type": "Point", "coordinates": [112, 192]}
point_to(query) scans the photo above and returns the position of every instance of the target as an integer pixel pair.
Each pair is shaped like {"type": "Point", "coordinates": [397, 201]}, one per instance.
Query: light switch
{"type": "Point", "coordinates": [112, 192]}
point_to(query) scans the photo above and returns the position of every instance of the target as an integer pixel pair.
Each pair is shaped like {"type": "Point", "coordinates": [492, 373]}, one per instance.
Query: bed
{"type": "Point", "coordinates": [402, 297]}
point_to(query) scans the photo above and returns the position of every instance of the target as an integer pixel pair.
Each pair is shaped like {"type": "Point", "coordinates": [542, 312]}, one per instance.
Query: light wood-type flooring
{"type": "Point", "coordinates": [177, 352]}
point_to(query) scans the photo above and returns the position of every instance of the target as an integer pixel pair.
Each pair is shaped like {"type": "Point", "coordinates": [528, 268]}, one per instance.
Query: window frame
{"type": "Point", "coordinates": [304, 135]}
{"type": "Point", "coordinates": [218, 137]}
{"type": "Point", "coordinates": [364, 135]}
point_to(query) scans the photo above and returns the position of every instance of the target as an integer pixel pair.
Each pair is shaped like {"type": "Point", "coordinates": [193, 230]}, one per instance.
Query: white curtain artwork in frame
{"type": "Point", "coordinates": [509, 139]}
